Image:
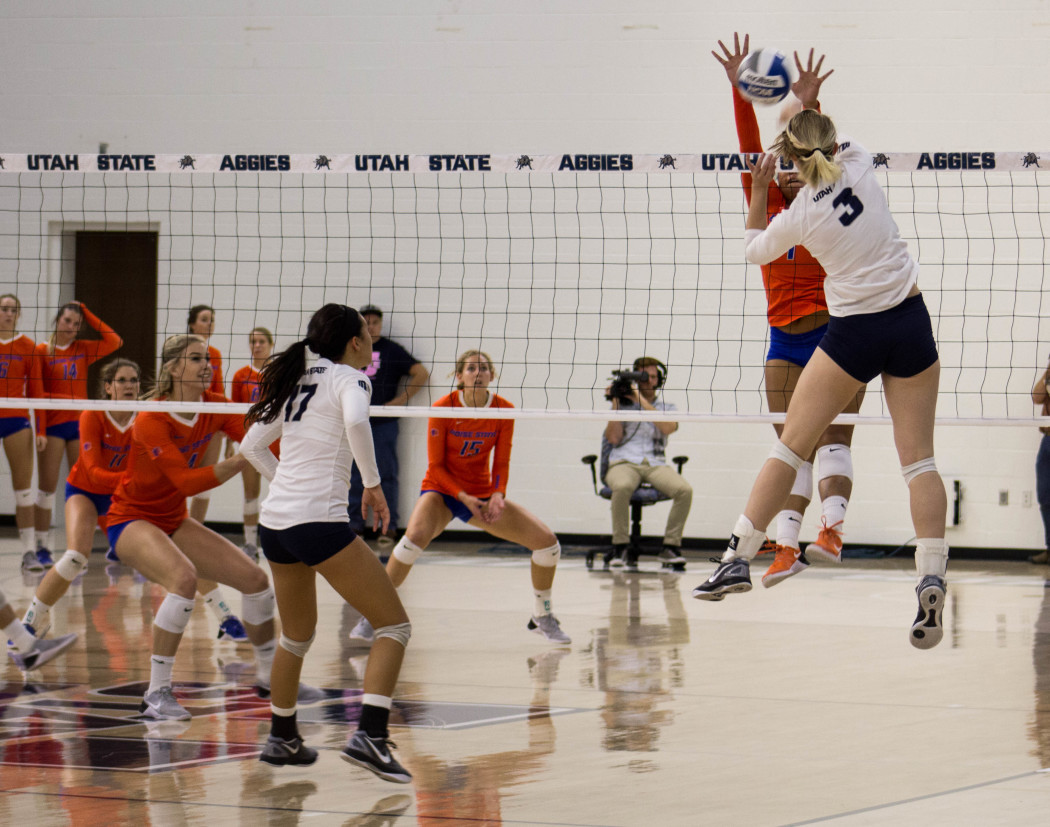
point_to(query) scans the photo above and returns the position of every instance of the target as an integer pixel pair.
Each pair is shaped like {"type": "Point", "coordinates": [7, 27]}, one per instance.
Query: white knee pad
{"type": "Point", "coordinates": [174, 614]}
{"type": "Point", "coordinates": [45, 500]}
{"type": "Point", "coordinates": [299, 648]}
{"type": "Point", "coordinates": [251, 507]}
{"type": "Point", "coordinates": [25, 497]}
{"type": "Point", "coordinates": [406, 551]}
{"type": "Point", "coordinates": [923, 466]}
{"type": "Point", "coordinates": [71, 565]}
{"type": "Point", "coordinates": [803, 486]}
{"type": "Point", "coordinates": [203, 496]}
{"type": "Point", "coordinates": [3, 599]}
{"type": "Point", "coordinates": [786, 455]}
{"type": "Point", "coordinates": [400, 632]}
{"type": "Point", "coordinates": [257, 608]}
{"type": "Point", "coordinates": [547, 557]}
{"type": "Point", "coordinates": [835, 461]}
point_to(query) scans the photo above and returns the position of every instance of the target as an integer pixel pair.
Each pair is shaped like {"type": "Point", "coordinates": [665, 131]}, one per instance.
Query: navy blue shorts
{"type": "Point", "coordinates": [12, 425]}
{"type": "Point", "coordinates": [452, 504]}
{"type": "Point", "coordinates": [796, 348]}
{"type": "Point", "coordinates": [113, 533]}
{"type": "Point", "coordinates": [898, 342]}
{"type": "Point", "coordinates": [309, 543]}
{"type": "Point", "coordinates": [66, 430]}
{"type": "Point", "coordinates": [101, 501]}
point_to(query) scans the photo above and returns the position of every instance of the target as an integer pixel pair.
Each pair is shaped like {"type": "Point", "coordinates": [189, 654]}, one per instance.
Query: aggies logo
{"type": "Point", "coordinates": [1030, 160]}
{"type": "Point", "coordinates": [880, 160]}
{"type": "Point", "coordinates": [187, 162]}
{"type": "Point", "coordinates": [322, 162]}
{"type": "Point", "coordinates": [524, 161]}
{"type": "Point", "coordinates": [667, 161]}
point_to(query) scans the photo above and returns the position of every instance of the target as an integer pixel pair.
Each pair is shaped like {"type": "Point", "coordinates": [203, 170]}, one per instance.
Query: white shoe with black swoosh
{"type": "Point", "coordinates": [375, 756]}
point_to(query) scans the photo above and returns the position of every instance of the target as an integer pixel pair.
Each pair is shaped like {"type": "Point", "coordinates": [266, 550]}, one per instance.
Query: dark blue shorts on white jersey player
{"type": "Point", "coordinates": [309, 543]}
{"type": "Point", "coordinates": [898, 341]}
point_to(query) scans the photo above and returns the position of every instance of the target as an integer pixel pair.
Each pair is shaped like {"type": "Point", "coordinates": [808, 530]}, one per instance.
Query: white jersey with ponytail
{"type": "Point", "coordinates": [848, 228]}
{"type": "Point", "coordinates": [323, 430]}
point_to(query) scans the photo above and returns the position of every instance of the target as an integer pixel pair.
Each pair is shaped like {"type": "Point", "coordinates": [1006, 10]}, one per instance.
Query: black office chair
{"type": "Point", "coordinates": [644, 495]}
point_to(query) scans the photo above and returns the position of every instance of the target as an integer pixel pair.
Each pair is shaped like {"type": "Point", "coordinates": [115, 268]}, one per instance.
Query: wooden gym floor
{"type": "Point", "coordinates": [802, 704]}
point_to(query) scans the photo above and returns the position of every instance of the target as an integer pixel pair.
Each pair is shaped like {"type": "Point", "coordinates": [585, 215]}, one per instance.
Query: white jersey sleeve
{"type": "Point", "coordinates": [355, 396]}
{"type": "Point", "coordinates": [256, 446]}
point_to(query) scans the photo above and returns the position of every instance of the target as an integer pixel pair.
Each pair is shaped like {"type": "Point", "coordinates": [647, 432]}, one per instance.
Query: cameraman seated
{"type": "Point", "coordinates": [637, 456]}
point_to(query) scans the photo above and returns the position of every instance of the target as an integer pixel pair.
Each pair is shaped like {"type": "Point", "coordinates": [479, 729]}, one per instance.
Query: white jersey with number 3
{"type": "Point", "coordinates": [323, 429]}
{"type": "Point", "coordinates": [848, 228]}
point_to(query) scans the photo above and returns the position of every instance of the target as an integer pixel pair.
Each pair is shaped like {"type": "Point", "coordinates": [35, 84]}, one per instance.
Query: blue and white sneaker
{"type": "Point", "coordinates": [43, 651]}
{"type": "Point", "coordinates": [730, 577]}
{"type": "Point", "coordinates": [926, 631]}
{"type": "Point", "coordinates": [30, 562]}
{"type": "Point", "coordinates": [43, 555]}
{"type": "Point", "coordinates": [374, 755]}
{"type": "Point", "coordinates": [232, 629]}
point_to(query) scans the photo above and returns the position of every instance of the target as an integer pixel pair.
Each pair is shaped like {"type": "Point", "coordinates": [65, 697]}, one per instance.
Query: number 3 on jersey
{"type": "Point", "coordinates": [304, 391]}
{"type": "Point", "coordinates": [853, 206]}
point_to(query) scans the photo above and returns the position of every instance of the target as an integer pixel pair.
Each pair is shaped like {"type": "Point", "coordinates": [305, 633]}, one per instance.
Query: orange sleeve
{"type": "Point", "coordinates": [170, 461]}
{"type": "Point", "coordinates": [110, 339]}
{"type": "Point", "coordinates": [238, 386]}
{"type": "Point", "coordinates": [501, 456]}
{"type": "Point", "coordinates": [437, 431]}
{"type": "Point", "coordinates": [92, 459]}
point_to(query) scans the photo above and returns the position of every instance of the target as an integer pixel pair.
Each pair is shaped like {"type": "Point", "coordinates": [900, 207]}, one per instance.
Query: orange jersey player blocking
{"type": "Point", "coordinates": [149, 527]}
{"type": "Point", "coordinates": [62, 363]}
{"type": "Point", "coordinates": [469, 461]}
{"type": "Point", "coordinates": [798, 319]}
{"type": "Point", "coordinates": [17, 358]}
{"type": "Point", "coordinates": [201, 322]}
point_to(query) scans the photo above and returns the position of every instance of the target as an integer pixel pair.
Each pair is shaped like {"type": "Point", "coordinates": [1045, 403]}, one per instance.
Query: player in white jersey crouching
{"type": "Point", "coordinates": [320, 414]}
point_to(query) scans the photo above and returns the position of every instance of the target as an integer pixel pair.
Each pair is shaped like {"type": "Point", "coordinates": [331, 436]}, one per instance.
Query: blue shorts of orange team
{"type": "Point", "coordinates": [65, 430]}
{"type": "Point", "coordinates": [457, 508]}
{"type": "Point", "coordinates": [796, 348]}
{"type": "Point", "coordinates": [307, 543]}
{"type": "Point", "coordinates": [12, 425]}
{"type": "Point", "coordinates": [101, 501]}
{"type": "Point", "coordinates": [113, 533]}
{"type": "Point", "coordinates": [898, 342]}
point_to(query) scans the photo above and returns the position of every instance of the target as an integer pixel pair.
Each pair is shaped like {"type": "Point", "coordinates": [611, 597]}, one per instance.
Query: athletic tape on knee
{"type": "Point", "coordinates": [257, 608]}
{"type": "Point", "coordinates": [835, 461]}
{"type": "Point", "coordinates": [174, 614]}
{"type": "Point", "coordinates": [251, 507]}
{"type": "Point", "coordinates": [45, 500]}
{"type": "Point", "coordinates": [786, 455]}
{"type": "Point", "coordinates": [299, 648]}
{"type": "Point", "coordinates": [803, 486]}
{"type": "Point", "coordinates": [923, 466]}
{"type": "Point", "coordinates": [931, 556]}
{"type": "Point", "coordinates": [71, 565]}
{"type": "Point", "coordinates": [24, 498]}
{"type": "Point", "coordinates": [400, 632]}
{"type": "Point", "coordinates": [406, 551]}
{"type": "Point", "coordinates": [547, 557]}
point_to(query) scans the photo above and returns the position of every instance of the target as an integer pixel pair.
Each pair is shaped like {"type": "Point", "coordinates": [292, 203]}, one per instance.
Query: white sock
{"type": "Point", "coordinates": [28, 538]}
{"type": "Point", "coordinates": [251, 535]}
{"type": "Point", "coordinates": [160, 669]}
{"type": "Point", "coordinates": [21, 640]}
{"type": "Point", "coordinates": [43, 539]}
{"type": "Point", "coordinates": [931, 556]}
{"type": "Point", "coordinates": [789, 524]}
{"type": "Point", "coordinates": [264, 663]}
{"type": "Point", "coordinates": [37, 615]}
{"type": "Point", "coordinates": [217, 603]}
{"type": "Point", "coordinates": [834, 508]}
{"type": "Point", "coordinates": [542, 605]}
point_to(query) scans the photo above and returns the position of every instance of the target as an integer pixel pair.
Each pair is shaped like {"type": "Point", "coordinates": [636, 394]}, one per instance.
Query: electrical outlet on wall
{"type": "Point", "coordinates": [1004, 497]}
{"type": "Point", "coordinates": [1026, 499]}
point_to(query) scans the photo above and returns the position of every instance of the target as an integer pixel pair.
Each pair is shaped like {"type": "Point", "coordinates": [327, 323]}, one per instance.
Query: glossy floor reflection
{"type": "Point", "coordinates": [802, 704]}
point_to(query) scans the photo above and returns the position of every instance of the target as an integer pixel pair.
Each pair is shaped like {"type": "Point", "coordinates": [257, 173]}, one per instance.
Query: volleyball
{"type": "Point", "coordinates": [765, 76]}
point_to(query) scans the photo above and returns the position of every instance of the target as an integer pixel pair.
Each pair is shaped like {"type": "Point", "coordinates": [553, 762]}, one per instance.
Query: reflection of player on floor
{"type": "Point", "coordinates": [321, 416]}
{"type": "Point", "coordinates": [459, 483]}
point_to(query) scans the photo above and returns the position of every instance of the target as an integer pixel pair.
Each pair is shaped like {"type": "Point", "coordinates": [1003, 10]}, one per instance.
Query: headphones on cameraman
{"type": "Point", "coordinates": [661, 368]}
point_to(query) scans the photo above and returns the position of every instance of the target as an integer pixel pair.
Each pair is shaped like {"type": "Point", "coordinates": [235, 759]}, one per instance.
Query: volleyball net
{"type": "Point", "coordinates": [562, 268]}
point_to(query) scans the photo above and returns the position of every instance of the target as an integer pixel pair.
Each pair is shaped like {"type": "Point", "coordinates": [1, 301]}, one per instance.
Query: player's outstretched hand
{"type": "Point", "coordinates": [732, 60]}
{"type": "Point", "coordinates": [763, 170]}
{"type": "Point", "coordinates": [807, 87]}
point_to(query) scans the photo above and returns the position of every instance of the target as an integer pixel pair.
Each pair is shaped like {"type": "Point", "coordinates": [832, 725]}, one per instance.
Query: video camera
{"type": "Point", "coordinates": [621, 385]}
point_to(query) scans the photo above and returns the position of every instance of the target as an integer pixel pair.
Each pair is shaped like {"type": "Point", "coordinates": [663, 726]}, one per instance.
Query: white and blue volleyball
{"type": "Point", "coordinates": [765, 76]}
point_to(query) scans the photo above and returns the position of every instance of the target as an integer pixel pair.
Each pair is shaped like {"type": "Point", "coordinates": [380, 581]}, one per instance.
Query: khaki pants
{"type": "Point", "coordinates": [624, 477]}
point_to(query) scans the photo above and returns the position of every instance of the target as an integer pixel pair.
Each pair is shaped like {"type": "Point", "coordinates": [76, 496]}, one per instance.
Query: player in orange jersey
{"type": "Point", "coordinates": [105, 438]}
{"type": "Point", "coordinates": [201, 321]}
{"type": "Point", "coordinates": [460, 483]}
{"type": "Point", "coordinates": [63, 362]}
{"type": "Point", "coordinates": [245, 388]}
{"type": "Point", "coordinates": [16, 373]}
{"type": "Point", "coordinates": [798, 318]}
{"type": "Point", "coordinates": [149, 527]}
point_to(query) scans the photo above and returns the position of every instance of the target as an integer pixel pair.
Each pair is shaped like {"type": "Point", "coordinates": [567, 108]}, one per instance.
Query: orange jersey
{"type": "Point", "coordinates": [245, 388]}
{"type": "Point", "coordinates": [104, 449]}
{"type": "Point", "coordinates": [215, 360]}
{"type": "Point", "coordinates": [794, 282]}
{"type": "Point", "coordinates": [458, 451]}
{"type": "Point", "coordinates": [16, 372]}
{"type": "Point", "coordinates": [163, 467]}
{"type": "Point", "coordinates": [64, 373]}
